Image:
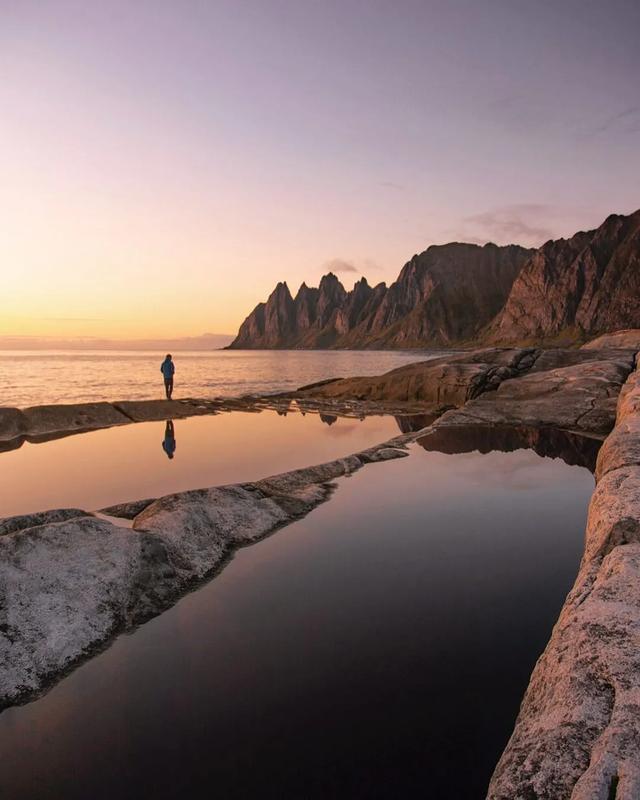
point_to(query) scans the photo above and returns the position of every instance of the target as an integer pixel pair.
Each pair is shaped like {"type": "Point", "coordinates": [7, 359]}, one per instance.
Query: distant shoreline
{"type": "Point", "coordinates": [157, 349]}
{"type": "Point", "coordinates": [205, 342]}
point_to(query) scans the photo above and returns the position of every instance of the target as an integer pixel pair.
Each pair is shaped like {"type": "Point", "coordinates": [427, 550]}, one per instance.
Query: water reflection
{"type": "Point", "coordinates": [380, 645]}
{"type": "Point", "coordinates": [169, 442]}
{"type": "Point", "coordinates": [328, 419]}
{"type": "Point", "coordinates": [573, 449]}
{"type": "Point", "coordinates": [115, 465]}
{"type": "Point", "coordinates": [410, 423]}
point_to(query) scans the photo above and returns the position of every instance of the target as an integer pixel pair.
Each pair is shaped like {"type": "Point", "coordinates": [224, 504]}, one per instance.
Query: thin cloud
{"type": "Point", "coordinates": [71, 319]}
{"type": "Point", "coordinates": [391, 185]}
{"type": "Point", "coordinates": [625, 121]}
{"type": "Point", "coordinates": [340, 265]}
{"type": "Point", "coordinates": [524, 223]}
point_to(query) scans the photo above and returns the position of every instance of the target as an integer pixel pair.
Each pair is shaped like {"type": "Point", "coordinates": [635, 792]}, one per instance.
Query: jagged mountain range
{"type": "Point", "coordinates": [456, 294]}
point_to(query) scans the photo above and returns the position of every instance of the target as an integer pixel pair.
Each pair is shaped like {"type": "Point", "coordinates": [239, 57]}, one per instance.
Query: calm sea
{"type": "Point", "coordinates": [38, 377]}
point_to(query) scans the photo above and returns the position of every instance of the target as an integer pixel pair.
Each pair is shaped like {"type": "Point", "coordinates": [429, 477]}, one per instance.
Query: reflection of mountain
{"type": "Point", "coordinates": [410, 423]}
{"type": "Point", "coordinates": [575, 450]}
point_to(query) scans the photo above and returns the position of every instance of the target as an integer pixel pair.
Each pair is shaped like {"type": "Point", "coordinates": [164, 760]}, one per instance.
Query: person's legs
{"type": "Point", "coordinates": [170, 388]}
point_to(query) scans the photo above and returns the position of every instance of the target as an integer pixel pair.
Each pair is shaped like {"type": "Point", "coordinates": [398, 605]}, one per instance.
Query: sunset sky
{"type": "Point", "coordinates": [163, 164]}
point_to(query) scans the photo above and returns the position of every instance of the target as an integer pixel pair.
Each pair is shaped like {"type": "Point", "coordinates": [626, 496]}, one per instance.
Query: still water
{"type": "Point", "coordinates": [96, 469]}
{"type": "Point", "coordinates": [378, 648]}
{"type": "Point", "coordinates": [40, 377]}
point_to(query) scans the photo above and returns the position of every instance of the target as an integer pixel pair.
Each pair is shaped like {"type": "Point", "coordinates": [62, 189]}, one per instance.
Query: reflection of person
{"type": "Point", "coordinates": [169, 443]}
{"type": "Point", "coordinates": [167, 368]}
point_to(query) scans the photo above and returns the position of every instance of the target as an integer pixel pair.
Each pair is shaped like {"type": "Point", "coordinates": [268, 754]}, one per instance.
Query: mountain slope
{"type": "Point", "coordinates": [568, 290]}
{"type": "Point", "coordinates": [571, 289]}
{"type": "Point", "coordinates": [443, 295]}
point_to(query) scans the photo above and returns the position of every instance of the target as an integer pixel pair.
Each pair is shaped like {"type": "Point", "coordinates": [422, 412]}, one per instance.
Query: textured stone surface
{"type": "Point", "coordinates": [570, 389]}
{"type": "Point", "coordinates": [582, 397]}
{"type": "Point", "coordinates": [128, 510]}
{"type": "Point", "coordinates": [439, 383]}
{"type": "Point", "coordinates": [64, 588]}
{"type": "Point", "coordinates": [629, 339]}
{"type": "Point", "coordinates": [577, 736]}
{"type": "Point", "coordinates": [47, 420]}
{"type": "Point", "coordinates": [12, 424]}
{"type": "Point", "coordinates": [24, 521]}
{"type": "Point", "coordinates": [154, 410]}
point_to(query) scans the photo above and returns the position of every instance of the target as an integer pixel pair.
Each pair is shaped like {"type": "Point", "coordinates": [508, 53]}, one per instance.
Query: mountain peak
{"type": "Point", "coordinates": [458, 293]}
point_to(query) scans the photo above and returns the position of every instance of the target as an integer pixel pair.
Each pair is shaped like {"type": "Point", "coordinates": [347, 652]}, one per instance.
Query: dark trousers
{"type": "Point", "coordinates": [168, 387]}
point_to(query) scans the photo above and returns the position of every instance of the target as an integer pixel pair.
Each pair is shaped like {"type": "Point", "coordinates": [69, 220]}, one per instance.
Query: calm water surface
{"type": "Point", "coordinates": [40, 377]}
{"type": "Point", "coordinates": [378, 648]}
{"type": "Point", "coordinates": [100, 468]}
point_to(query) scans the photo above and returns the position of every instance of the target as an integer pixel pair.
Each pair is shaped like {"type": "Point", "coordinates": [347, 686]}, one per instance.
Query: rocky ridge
{"type": "Point", "coordinates": [571, 289]}
{"type": "Point", "coordinates": [444, 295]}
{"type": "Point", "coordinates": [568, 290]}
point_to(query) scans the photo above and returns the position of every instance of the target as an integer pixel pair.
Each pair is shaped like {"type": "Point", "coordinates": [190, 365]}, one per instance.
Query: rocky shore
{"type": "Point", "coordinates": [586, 382]}
{"type": "Point", "coordinates": [577, 734]}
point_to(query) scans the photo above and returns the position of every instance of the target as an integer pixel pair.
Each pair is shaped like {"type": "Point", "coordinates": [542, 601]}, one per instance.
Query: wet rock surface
{"type": "Point", "coordinates": [46, 420]}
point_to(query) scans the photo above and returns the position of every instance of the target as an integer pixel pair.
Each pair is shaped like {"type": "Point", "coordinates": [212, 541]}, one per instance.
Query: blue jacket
{"type": "Point", "coordinates": [167, 368]}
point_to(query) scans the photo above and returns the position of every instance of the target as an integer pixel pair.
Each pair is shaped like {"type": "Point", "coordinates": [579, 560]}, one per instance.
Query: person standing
{"type": "Point", "coordinates": [168, 368]}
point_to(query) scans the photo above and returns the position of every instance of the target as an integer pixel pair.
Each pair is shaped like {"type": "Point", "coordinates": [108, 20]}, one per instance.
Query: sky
{"type": "Point", "coordinates": [164, 164]}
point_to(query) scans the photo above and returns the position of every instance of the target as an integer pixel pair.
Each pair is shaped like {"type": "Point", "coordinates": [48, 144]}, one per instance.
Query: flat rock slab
{"type": "Point", "coordinates": [556, 358]}
{"type": "Point", "coordinates": [441, 382]}
{"type": "Point", "coordinates": [629, 339]}
{"type": "Point", "coordinates": [13, 424]}
{"type": "Point", "coordinates": [156, 410]}
{"type": "Point", "coordinates": [48, 420]}
{"type": "Point", "coordinates": [582, 397]}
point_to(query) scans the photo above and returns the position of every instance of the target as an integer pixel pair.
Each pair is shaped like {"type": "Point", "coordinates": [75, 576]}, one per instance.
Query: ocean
{"type": "Point", "coordinates": [31, 378]}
